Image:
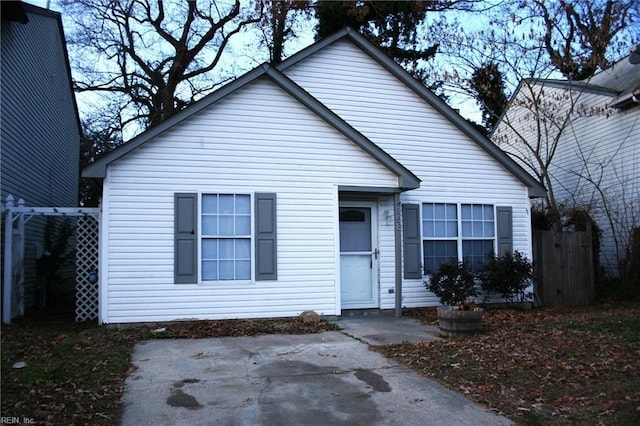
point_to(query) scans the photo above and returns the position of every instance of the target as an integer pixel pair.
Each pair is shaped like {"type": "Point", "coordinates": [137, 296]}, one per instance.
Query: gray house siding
{"type": "Point", "coordinates": [39, 129]}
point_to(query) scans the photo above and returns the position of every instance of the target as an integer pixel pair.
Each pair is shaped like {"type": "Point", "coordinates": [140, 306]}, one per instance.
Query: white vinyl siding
{"type": "Point", "coordinates": [452, 167]}
{"type": "Point", "coordinates": [257, 140]}
{"type": "Point", "coordinates": [600, 145]}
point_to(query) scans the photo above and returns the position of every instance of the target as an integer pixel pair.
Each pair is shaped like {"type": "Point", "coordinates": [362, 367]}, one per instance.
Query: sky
{"type": "Point", "coordinates": [243, 56]}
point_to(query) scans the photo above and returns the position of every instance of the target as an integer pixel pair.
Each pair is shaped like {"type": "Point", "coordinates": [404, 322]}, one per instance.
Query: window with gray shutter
{"type": "Point", "coordinates": [505, 230]}
{"type": "Point", "coordinates": [266, 237]}
{"type": "Point", "coordinates": [225, 252]}
{"type": "Point", "coordinates": [186, 238]}
{"type": "Point", "coordinates": [411, 241]}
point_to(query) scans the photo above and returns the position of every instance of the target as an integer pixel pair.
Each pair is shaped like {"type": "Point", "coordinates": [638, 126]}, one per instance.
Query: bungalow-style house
{"type": "Point", "coordinates": [596, 151]}
{"type": "Point", "coordinates": [331, 181]}
{"type": "Point", "coordinates": [39, 129]}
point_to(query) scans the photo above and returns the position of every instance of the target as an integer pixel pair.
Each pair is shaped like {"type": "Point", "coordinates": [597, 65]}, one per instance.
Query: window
{"type": "Point", "coordinates": [440, 234]}
{"type": "Point", "coordinates": [451, 232]}
{"type": "Point", "coordinates": [478, 232]}
{"type": "Point", "coordinates": [226, 237]}
{"type": "Point", "coordinates": [213, 242]}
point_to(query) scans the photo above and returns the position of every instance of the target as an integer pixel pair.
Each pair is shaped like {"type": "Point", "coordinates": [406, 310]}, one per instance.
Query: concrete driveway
{"type": "Point", "coordinates": [329, 378]}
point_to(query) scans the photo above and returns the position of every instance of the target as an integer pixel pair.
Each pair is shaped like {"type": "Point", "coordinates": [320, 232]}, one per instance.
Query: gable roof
{"type": "Point", "coordinates": [536, 189]}
{"type": "Point", "coordinates": [621, 82]}
{"type": "Point", "coordinates": [407, 179]}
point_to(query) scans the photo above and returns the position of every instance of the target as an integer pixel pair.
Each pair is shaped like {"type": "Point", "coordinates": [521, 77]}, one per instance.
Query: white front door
{"type": "Point", "coordinates": [358, 256]}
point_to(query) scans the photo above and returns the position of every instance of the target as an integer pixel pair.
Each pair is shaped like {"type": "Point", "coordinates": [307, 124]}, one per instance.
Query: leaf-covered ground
{"type": "Point", "coordinates": [75, 373]}
{"type": "Point", "coordinates": [545, 366]}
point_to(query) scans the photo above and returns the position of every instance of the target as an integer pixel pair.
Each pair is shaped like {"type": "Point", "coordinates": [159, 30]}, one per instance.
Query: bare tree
{"type": "Point", "coordinates": [578, 33]}
{"type": "Point", "coordinates": [608, 186]}
{"type": "Point", "coordinates": [100, 135]}
{"type": "Point", "coordinates": [282, 21]}
{"type": "Point", "coordinates": [538, 120]}
{"type": "Point", "coordinates": [524, 47]}
{"type": "Point", "coordinates": [156, 57]}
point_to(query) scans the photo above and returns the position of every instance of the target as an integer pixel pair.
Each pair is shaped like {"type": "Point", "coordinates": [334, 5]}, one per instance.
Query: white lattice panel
{"type": "Point", "coordinates": [86, 264]}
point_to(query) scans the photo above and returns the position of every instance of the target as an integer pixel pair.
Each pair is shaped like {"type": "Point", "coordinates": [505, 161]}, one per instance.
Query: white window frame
{"type": "Point", "coordinates": [459, 238]}
{"type": "Point", "coordinates": [202, 236]}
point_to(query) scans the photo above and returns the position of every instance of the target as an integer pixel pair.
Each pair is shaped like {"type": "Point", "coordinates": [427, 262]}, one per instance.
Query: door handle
{"type": "Point", "coordinates": [376, 252]}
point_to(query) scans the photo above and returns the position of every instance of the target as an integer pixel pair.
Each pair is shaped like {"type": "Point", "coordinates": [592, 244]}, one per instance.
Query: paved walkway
{"type": "Point", "coordinates": [315, 379]}
{"type": "Point", "coordinates": [384, 329]}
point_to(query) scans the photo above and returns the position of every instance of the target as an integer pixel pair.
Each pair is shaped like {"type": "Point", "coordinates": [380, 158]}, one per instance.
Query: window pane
{"type": "Point", "coordinates": [226, 204]}
{"type": "Point", "coordinates": [243, 270]}
{"type": "Point", "coordinates": [427, 229]}
{"type": "Point", "coordinates": [437, 252]}
{"type": "Point", "coordinates": [441, 229]}
{"type": "Point", "coordinates": [226, 249]}
{"type": "Point", "coordinates": [427, 211]}
{"type": "Point", "coordinates": [210, 249]}
{"type": "Point", "coordinates": [226, 225]}
{"type": "Point", "coordinates": [466, 228]}
{"type": "Point", "coordinates": [452, 211]}
{"type": "Point", "coordinates": [209, 204]}
{"type": "Point", "coordinates": [478, 229]}
{"type": "Point", "coordinates": [466, 211]}
{"type": "Point", "coordinates": [209, 270]}
{"type": "Point", "coordinates": [488, 212]}
{"type": "Point", "coordinates": [243, 204]}
{"type": "Point", "coordinates": [210, 225]}
{"type": "Point", "coordinates": [243, 248]}
{"type": "Point", "coordinates": [452, 229]}
{"type": "Point", "coordinates": [475, 252]}
{"type": "Point", "coordinates": [227, 269]}
{"type": "Point", "coordinates": [477, 212]}
{"type": "Point", "coordinates": [243, 225]}
{"type": "Point", "coordinates": [488, 229]}
{"type": "Point", "coordinates": [352, 215]}
{"type": "Point", "coordinates": [439, 212]}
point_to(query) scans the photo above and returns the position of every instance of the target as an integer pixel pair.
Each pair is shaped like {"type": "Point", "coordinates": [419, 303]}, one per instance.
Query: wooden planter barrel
{"type": "Point", "coordinates": [453, 322]}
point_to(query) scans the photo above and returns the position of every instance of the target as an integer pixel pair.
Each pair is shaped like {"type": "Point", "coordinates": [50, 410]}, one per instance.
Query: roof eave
{"type": "Point", "coordinates": [535, 189]}
{"type": "Point", "coordinates": [98, 168]}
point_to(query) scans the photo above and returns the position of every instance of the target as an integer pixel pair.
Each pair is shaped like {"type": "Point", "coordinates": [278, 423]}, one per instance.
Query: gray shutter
{"type": "Point", "coordinates": [266, 241]}
{"type": "Point", "coordinates": [411, 240]}
{"type": "Point", "coordinates": [505, 230]}
{"type": "Point", "coordinates": [186, 238]}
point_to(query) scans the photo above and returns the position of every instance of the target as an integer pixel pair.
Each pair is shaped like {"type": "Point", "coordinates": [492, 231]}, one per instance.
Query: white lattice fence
{"type": "Point", "coordinates": [87, 269]}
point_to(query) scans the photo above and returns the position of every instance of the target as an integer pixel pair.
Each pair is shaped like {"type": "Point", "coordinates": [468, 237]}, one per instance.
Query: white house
{"type": "Point", "coordinates": [332, 181]}
{"type": "Point", "coordinates": [592, 130]}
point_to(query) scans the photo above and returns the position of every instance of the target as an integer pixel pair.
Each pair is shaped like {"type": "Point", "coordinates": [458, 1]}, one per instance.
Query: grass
{"type": "Point", "coordinates": [545, 366]}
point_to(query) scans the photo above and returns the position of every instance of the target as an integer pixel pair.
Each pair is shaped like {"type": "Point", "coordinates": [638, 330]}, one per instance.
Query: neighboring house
{"type": "Point", "coordinates": [331, 181]}
{"type": "Point", "coordinates": [593, 128]}
{"type": "Point", "coordinates": [39, 126]}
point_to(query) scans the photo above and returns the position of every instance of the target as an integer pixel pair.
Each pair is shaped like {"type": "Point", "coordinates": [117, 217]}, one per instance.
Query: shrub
{"type": "Point", "coordinates": [453, 284]}
{"type": "Point", "coordinates": [509, 276]}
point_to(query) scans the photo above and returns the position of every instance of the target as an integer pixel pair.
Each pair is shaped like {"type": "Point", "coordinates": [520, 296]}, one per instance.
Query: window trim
{"type": "Point", "coordinates": [459, 238]}
{"type": "Point", "coordinates": [202, 237]}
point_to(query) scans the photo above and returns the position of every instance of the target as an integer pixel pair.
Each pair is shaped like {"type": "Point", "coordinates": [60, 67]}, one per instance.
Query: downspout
{"type": "Point", "coordinates": [398, 254]}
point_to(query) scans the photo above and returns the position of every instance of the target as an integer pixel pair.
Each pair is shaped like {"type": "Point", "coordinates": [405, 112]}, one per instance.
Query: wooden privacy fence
{"type": "Point", "coordinates": [564, 268]}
